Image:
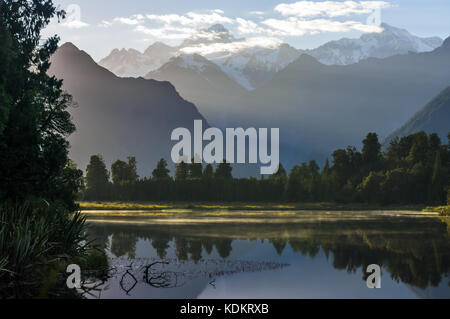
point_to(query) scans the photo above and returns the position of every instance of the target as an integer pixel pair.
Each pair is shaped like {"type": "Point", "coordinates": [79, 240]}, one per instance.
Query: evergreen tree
{"type": "Point", "coordinates": [280, 176]}
{"type": "Point", "coordinates": [208, 172]}
{"type": "Point", "coordinates": [325, 182]}
{"type": "Point", "coordinates": [34, 121]}
{"type": "Point", "coordinates": [314, 181]}
{"type": "Point", "coordinates": [278, 182]}
{"type": "Point", "coordinates": [119, 172]}
{"type": "Point", "coordinates": [371, 152]}
{"type": "Point", "coordinates": [161, 172]}
{"type": "Point", "coordinates": [97, 178]}
{"type": "Point", "coordinates": [436, 190]}
{"type": "Point", "coordinates": [398, 181]}
{"type": "Point", "coordinates": [123, 172]}
{"type": "Point", "coordinates": [370, 188]}
{"type": "Point", "coordinates": [132, 169]}
{"type": "Point", "coordinates": [181, 171]}
{"type": "Point", "coordinates": [195, 170]}
{"type": "Point", "coordinates": [419, 149]}
{"type": "Point", "coordinates": [224, 170]}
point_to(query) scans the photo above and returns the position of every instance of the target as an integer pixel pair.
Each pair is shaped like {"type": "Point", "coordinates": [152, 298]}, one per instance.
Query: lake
{"type": "Point", "coordinates": [304, 254]}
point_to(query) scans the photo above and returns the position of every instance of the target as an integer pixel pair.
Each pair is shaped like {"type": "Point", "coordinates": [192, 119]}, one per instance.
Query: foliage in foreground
{"type": "Point", "coordinates": [37, 242]}
{"type": "Point", "coordinates": [37, 238]}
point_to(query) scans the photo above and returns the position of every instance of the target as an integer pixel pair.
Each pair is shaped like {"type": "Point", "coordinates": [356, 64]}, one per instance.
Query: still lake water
{"type": "Point", "coordinates": [273, 255]}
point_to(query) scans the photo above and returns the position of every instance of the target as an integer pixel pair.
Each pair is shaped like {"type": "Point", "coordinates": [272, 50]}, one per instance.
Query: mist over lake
{"type": "Point", "coordinates": [301, 254]}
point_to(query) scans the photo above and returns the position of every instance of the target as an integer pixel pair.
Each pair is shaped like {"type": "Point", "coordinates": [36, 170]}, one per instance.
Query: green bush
{"type": "Point", "coordinates": [35, 239]}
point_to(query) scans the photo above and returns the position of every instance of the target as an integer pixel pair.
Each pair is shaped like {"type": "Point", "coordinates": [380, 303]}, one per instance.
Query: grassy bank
{"type": "Point", "coordinates": [443, 210]}
{"type": "Point", "coordinates": [241, 206]}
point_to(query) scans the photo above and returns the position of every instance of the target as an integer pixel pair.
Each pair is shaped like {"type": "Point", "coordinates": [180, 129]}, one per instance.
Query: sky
{"type": "Point", "coordinates": [99, 26]}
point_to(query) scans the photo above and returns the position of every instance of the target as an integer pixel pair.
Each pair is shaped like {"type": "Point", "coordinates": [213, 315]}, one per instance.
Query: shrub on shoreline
{"type": "Point", "coordinates": [37, 242]}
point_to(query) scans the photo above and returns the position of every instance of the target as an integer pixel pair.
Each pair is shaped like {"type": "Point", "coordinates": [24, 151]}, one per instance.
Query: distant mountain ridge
{"type": "Point", "coordinates": [119, 117]}
{"type": "Point", "coordinates": [317, 107]}
{"type": "Point", "coordinates": [320, 108]}
{"type": "Point", "coordinates": [201, 82]}
{"type": "Point", "coordinates": [391, 41]}
{"type": "Point", "coordinates": [432, 118]}
{"type": "Point", "coordinates": [252, 65]}
{"type": "Point", "coordinates": [132, 63]}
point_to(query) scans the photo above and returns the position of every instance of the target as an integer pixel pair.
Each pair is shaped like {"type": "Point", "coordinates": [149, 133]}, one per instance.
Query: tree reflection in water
{"type": "Point", "coordinates": [415, 251]}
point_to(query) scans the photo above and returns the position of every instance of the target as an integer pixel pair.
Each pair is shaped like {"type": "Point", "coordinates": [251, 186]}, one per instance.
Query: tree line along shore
{"type": "Point", "coordinates": [413, 171]}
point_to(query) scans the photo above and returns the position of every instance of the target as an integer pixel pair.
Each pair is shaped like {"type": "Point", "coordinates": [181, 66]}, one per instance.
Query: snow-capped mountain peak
{"type": "Point", "coordinates": [192, 61]}
{"type": "Point", "coordinates": [252, 62]}
{"type": "Point", "coordinates": [132, 63]}
{"type": "Point", "coordinates": [253, 66]}
{"type": "Point", "coordinates": [391, 41]}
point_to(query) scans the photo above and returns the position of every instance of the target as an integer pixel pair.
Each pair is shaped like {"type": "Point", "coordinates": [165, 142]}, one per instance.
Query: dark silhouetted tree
{"type": "Point", "coordinates": [371, 152]}
{"type": "Point", "coordinates": [195, 170]}
{"type": "Point", "coordinates": [224, 171]}
{"type": "Point", "coordinates": [181, 171]}
{"type": "Point", "coordinates": [208, 172]}
{"type": "Point", "coordinates": [123, 172]}
{"type": "Point", "coordinates": [419, 149]}
{"type": "Point", "coordinates": [97, 178]}
{"type": "Point", "coordinates": [161, 172]}
{"type": "Point", "coordinates": [436, 190]}
{"type": "Point", "coordinates": [34, 122]}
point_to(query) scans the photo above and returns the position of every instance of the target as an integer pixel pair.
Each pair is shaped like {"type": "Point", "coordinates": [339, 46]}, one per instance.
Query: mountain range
{"type": "Point", "coordinates": [132, 63]}
{"type": "Point", "coordinates": [202, 82]}
{"type": "Point", "coordinates": [392, 41]}
{"type": "Point", "coordinates": [119, 117]}
{"type": "Point", "coordinates": [317, 107]}
{"type": "Point", "coordinates": [252, 64]}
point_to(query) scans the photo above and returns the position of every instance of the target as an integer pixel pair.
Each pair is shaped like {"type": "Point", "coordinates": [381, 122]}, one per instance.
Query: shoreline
{"type": "Point", "coordinates": [238, 206]}
{"type": "Point", "coordinates": [144, 207]}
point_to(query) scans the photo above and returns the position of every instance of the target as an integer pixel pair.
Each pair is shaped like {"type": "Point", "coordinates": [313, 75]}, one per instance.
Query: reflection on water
{"type": "Point", "coordinates": [300, 255]}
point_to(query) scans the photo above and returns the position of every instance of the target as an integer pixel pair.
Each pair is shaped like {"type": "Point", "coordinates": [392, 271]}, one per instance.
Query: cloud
{"type": "Point", "coordinates": [312, 17]}
{"type": "Point", "coordinates": [310, 9]}
{"type": "Point", "coordinates": [176, 26]}
{"type": "Point", "coordinates": [289, 19]}
{"type": "Point", "coordinates": [232, 47]}
{"type": "Point", "coordinates": [296, 27]}
{"type": "Point", "coordinates": [192, 19]}
{"type": "Point", "coordinates": [256, 13]}
{"type": "Point", "coordinates": [75, 24]}
{"type": "Point", "coordinates": [105, 24]}
{"type": "Point", "coordinates": [250, 27]}
{"type": "Point", "coordinates": [133, 20]}
{"type": "Point", "coordinates": [173, 26]}
{"type": "Point", "coordinates": [169, 33]}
